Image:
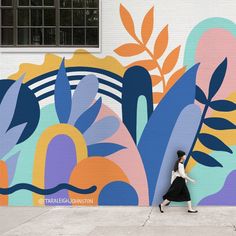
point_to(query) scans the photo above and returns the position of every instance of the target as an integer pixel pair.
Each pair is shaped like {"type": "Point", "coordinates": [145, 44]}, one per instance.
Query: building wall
{"type": "Point", "coordinates": [113, 140]}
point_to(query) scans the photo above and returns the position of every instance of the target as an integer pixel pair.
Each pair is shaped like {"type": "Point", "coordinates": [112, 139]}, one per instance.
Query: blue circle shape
{"type": "Point", "coordinates": [27, 109]}
{"type": "Point", "coordinates": [118, 193]}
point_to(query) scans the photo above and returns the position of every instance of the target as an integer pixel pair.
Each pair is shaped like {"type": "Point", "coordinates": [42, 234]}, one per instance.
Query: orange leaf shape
{"type": "Point", "coordinates": [175, 77]}
{"type": "Point", "coordinates": [127, 21]}
{"type": "Point", "coordinates": [157, 96]}
{"type": "Point", "coordinates": [147, 64]}
{"type": "Point", "coordinates": [147, 26]}
{"type": "Point", "coordinates": [129, 49]}
{"type": "Point", "coordinates": [156, 79]}
{"type": "Point", "coordinates": [170, 61]}
{"type": "Point", "coordinates": [161, 43]}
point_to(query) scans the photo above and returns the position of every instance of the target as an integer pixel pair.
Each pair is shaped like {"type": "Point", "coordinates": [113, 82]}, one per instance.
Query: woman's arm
{"type": "Point", "coordinates": [183, 174]}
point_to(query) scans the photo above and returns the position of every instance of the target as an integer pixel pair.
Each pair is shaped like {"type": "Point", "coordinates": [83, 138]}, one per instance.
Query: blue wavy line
{"type": "Point", "coordinates": [70, 69]}
{"type": "Point", "coordinates": [32, 188]}
{"type": "Point", "coordinates": [111, 95]}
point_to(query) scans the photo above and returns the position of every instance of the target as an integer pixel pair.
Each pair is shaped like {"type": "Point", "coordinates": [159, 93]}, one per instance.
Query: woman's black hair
{"type": "Point", "coordinates": [179, 154]}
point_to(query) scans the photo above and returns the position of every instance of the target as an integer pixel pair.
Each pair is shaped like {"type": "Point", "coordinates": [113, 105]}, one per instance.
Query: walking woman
{"type": "Point", "coordinates": [178, 191]}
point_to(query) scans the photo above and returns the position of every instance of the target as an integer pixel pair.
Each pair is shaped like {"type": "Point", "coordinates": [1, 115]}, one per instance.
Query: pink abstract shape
{"type": "Point", "coordinates": [213, 47]}
{"type": "Point", "coordinates": [129, 159]}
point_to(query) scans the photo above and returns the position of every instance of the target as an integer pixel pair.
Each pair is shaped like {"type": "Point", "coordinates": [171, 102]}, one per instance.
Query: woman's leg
{"type": "Point", "coordinates": [190, 206]}
{"type": "Point", "coordinates": [165, 202]}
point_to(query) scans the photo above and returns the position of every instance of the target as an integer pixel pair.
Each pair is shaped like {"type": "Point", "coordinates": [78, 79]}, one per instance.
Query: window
{"type": "Point", "coordinates": [49, 23]}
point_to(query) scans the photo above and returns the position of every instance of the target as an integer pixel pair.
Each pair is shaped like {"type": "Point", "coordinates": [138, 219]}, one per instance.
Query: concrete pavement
{"type": "Point", "coordinates": [116, 221]}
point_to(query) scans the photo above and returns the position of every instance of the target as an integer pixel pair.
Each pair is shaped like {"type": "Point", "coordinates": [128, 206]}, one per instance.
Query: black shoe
{"type": "Point", "coordinates": [160, 208]}
{"type": "Point", "coordinates": [192, 211]}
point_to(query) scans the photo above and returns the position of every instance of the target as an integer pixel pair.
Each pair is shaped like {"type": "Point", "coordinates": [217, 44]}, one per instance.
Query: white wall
{"type": "Point", "coordinates": [181, 15]}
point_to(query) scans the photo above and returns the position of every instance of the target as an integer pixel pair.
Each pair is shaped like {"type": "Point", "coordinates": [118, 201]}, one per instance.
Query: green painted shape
{"type": "Point", "coordinates": [142, 116]}
{"type": "Point", "coordinates": [210, 179]}
{"type": "Point", "coordinates": [24, 168]}
{"type": "Point", "coordinates": [197, 32]}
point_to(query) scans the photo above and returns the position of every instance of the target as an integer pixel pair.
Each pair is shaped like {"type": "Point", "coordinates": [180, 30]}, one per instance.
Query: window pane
{"type": "Point", "coordinates": [79, 36]}
{"type": "Point", "coordinates": [23, 36]}
{"type": "Point", "coordinates": [92, 3]}
{"type": "Point", "coordinates": [49, 2]}
{"type": "Point", "coordinates": [92, 36]}
{"type": "Point", "coordinates": [36, 2]}
{"type": "Point", "coordinates": [23, 17]}
{"type": "Point", "coordinates": [7, 36]}
{"type": "Point", "coordinates": [78, 17]}
{"type": "Point", "coordinates": [65, 36]}
{"type": "Point", "coordinates": [36, 36]}
{"type": "Point", "coordinates": [36, 17]}
{"type": "Point", "coordinates": [23, 2]}
{"type": "Point", "coordinates": [78, 3]}
{"type": "Point", "coordinates": [6, 2]}
{"type": "Point", "coordinates": [65, 17]}
{"type": "Point", "coordinates": [7, 17]}
{"type": "Point", "coordinates": [49, 17]}
{"type": "Point", "coordinates": [65, 3]}
{"type": "Point", "coordinates": [49, 36]}
{"type": "Point", "coordinates": [91, 17]}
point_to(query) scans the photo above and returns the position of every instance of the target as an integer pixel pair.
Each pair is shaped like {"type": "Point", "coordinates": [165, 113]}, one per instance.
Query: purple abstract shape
{"type": "Point", "coordinates": [8, 105]}
{"type": "Point", "coordinates": [60, 161]}
{"type": "Point", "coordinates": [182, 138]}
{"type": "Point", "coordinates": [101, 130]}
{"type": "Point", "coordinates": [83, 97]}
{"type": "Point", "coordinates": [10, 139]}
{"type": "Point", "coordinates": [226, 196]}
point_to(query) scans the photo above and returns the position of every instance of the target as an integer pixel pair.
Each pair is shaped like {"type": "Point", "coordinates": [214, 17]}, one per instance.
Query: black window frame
{"type": "Point", "coordinates": [57, 26]}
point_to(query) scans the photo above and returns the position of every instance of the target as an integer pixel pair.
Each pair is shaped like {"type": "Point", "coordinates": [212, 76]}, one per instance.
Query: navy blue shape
{"type": "Point", "coordinates": [223, 105]}
{"type": "Point", "coordinates": [27, 109]}
{"type": "Point", "coordinates": [205, 159]}
{"type": "Point", "coordinates": [104, 149]}
{"type": "Point", "coordinates": [118, 193]}
{"type": "Point", "coordinates": [217, 79]}
{"type": "Point", "coordinates": [32, 188]}
{"type": "Point", "coordinates": [62, 95]}
{"type": "Point", "coordinates": [136, 82]}
{"type": "Point", "coordinates": [213, 143]}
{"type": "Point", "coordinates": [219, 123]}
{"type": "Point", "coordinates": [88, 117]}
{"type": "Point", "coordinates": [156, 135]}
{"type": "Point", "coordinates": [200, 95]}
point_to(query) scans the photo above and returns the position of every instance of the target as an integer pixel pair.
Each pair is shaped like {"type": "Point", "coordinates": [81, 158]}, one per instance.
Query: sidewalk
{"type": "Point", "coordinates": [114, 221]}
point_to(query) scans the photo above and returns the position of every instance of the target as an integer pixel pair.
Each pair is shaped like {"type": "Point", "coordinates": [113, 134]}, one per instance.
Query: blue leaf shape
{"type": "Point", "coordinates": [88, 117]}
{"type": "Point", "coordinates": [8, 105]}
{"type": "Point", "coordinates": [182, 137]}
{"type": "Point", "coordinates": [157, 132]}
{"type": "Point", "coordinates": [101, 130]}
{"type": "Point", "coordinates": [118, 193]}
{"type": "Point", "coordinates": [217, 79]}
{"type": "Point", "coordinates": [200, 95]}
{"type": "Point", "coordinates": [219, 123]}
{"type": "Point", "coordinates": [213, 143]}
{"type": "Point", "coordinates": [104, 149]}
{"type": "Point", "coordinates": [83, 96]}
{"type": "Point", "coordinates": [205, 159]}
{"type": "Point", "coordinates": [62, 94]}
{"type": "Point", "coordinates": [223, 105]}
{"type": "Point", "coordinates": [11, 166]}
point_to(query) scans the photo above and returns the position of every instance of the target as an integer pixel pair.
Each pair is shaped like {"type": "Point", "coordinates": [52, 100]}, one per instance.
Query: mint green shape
{"type": "Point", "coordinates": [197, 32]}
{"type": "Point", "coordinates": [210, 179]}
{"type": "Point", "coordinates": [24, 168]}
{"type": "Point", "coordinates": [142, 116]}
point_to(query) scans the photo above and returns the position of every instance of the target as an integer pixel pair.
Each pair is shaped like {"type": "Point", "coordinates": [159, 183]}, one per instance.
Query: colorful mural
{"type": "Point", "coordinates": [90, 131]}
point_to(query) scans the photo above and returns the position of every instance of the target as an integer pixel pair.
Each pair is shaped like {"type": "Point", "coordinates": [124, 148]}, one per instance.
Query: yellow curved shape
{"type": "Point", "coordinates": [41, 153]}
